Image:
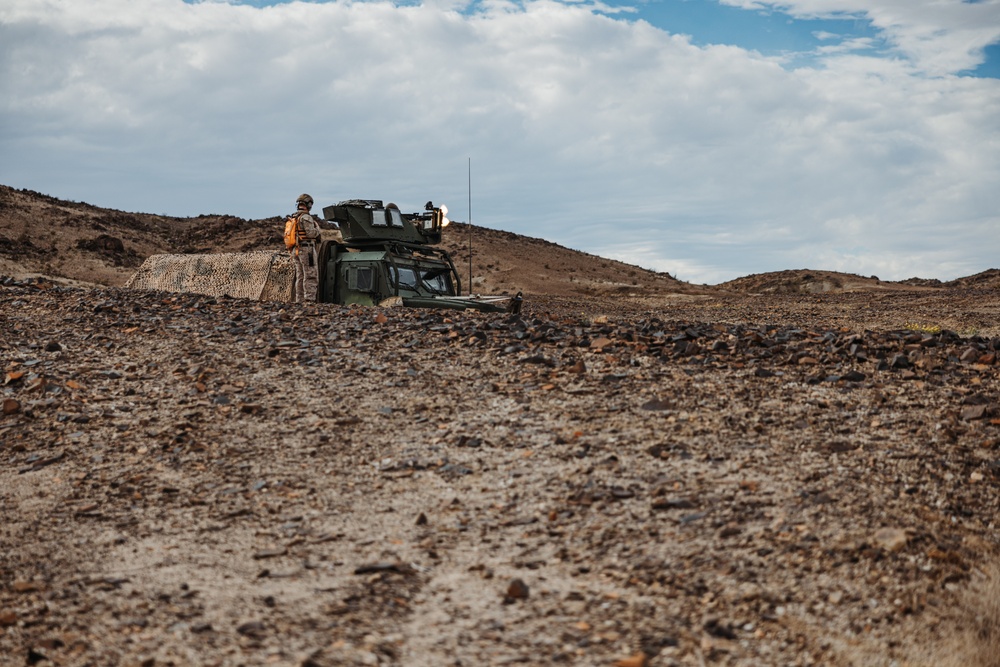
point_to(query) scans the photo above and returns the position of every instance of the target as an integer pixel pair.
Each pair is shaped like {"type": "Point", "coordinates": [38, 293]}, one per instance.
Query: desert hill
{"type": "Point", "coordinates": [806, 281]}
{"type": "Point", "coordinates": [83, 243]}
{"type": "Point", "coordinates": [80, 242]}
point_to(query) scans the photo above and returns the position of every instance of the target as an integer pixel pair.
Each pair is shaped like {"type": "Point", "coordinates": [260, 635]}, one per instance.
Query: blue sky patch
{"type": "Point", "coordinates": [771, 33]}
{"type": "Point", "coordinates": [990, 68]}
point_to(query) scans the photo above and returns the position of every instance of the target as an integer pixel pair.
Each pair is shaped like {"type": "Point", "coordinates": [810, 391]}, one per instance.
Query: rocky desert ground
{"type": "Point", "coordinates": [790, 469]}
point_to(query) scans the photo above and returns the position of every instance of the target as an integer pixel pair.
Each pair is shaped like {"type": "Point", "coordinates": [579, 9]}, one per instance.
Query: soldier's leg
{"type": "Point", "coordinates": [298, 283]}
{"type": "Point", "coordinates": [310, 281]}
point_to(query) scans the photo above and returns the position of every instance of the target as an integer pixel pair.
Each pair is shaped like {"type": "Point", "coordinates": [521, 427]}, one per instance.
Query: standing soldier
{"type": "Point", "coordinates": [300, 239]}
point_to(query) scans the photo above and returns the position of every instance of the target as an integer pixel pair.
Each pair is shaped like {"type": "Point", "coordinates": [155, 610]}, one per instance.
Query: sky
{"type": "Point", "coordinates": [710, 139]}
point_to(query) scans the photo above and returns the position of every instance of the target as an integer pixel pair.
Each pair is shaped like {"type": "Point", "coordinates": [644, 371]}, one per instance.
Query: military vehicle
{"type": "Point", "coordinates": [379, 256]}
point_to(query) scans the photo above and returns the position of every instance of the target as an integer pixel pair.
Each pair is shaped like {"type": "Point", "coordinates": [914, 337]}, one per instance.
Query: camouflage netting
{"type": "Point", "coordinates": [262, 275]}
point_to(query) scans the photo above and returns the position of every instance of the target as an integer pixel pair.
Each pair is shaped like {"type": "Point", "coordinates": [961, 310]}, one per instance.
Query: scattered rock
{"type": "Point", "coordinates": [255, 629]}
{"type": "Point", "coordinates": [656, 405]}
{"type": "Point", "coordinates": [973, 412]}
{"type": "Point", "coordinates": [637, 660]}
{"type": "Point", "coordinates": [670, 493]}
{"type": "Point", "coordinates": [398, 568]}
{"type": "Point", "coordinates": [891, 539]}
{"type": "Point", "coordinates": [517, 590]}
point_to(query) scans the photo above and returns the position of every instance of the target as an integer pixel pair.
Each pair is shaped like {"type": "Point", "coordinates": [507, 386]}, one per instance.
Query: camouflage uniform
{"type": "Point", "coordinates": [305, 287]}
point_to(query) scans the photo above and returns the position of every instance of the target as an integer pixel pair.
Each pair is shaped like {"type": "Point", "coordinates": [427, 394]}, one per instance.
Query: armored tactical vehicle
{"type": "Point", "coordinates": [387, 256]}
{"type": "Point", "coordinates": [379, 256]}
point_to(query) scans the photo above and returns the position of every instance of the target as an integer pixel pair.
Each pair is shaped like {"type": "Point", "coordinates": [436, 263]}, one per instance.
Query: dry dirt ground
{"type": "Point", "coordinates": [782, 471]}
{"type": "Point", "coordinates": [189, 480]}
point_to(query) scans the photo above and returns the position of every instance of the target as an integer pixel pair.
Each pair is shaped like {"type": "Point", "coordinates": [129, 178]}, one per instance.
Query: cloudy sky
{"type": "Point", "coordinates": [707, 138]}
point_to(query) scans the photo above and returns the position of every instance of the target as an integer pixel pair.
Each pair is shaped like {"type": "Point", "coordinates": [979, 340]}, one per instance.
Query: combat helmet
{"type": "Point", "coordinates": [305, 199]}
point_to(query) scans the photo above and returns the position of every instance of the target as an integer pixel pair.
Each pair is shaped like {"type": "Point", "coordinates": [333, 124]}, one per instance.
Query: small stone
{"type": "Point", "coordinates": [11, 406]}
{"type": "Point", "coordinates": [600, 343]}
{"type": "Point", "coordinates": [385, 566]}
{"type": "Point", "coordinates": [973, 412]}
{"type": "Point", "coordinates": [637, 660]}
{"type": "Point", "coordinates": [38, 384]}
{"type": "Point", "coordinates": [25, 586]}
{"type": "Point", "coordinates": [269, 553]}
{"type": "Point", "coordinates": [969, 355]}
{"type": "Point", "coordinates": [673, 504]}
{"type": "Point", "coordinates": [718, 628]}
{"type": "Point", "coordinates": [35, 656]}
{"type": "Point", "coordinates": [518, 590]}
{"type": "Point", "coordinates": [659, 451]}
{"type": "Point", "coordinates": [7, 619]}
{"type": "Point", "coordinates": [251, 629]}
{"type": "Point", "coordinates": [891, 539]}
{"type": "Point", "coordinates": [13, 376]}
{"type": "Point", "coordinates": [53, 346]}
{"type": "Point", "coordinates": [899, 361]}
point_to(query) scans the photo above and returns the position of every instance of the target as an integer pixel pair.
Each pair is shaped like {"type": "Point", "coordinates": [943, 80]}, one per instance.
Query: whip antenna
{"type": "Point", "coordinates": [470, 226]}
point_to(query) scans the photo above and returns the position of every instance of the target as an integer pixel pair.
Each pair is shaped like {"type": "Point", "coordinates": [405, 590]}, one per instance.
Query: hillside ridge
{"type": "Point", "coordinates": [83, 243]}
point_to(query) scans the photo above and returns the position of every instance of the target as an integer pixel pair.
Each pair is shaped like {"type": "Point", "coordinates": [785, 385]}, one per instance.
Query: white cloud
{"type": "Point", "coordinates": [846, 46]}
{"type": "Point", "coordinates": [589, 130]}
{"type": "Point", "coordinates": [939, 36]}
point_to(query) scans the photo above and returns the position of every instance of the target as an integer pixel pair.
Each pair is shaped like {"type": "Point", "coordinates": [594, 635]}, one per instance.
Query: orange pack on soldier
{"type": "Point", "coordinates": [301, 244]}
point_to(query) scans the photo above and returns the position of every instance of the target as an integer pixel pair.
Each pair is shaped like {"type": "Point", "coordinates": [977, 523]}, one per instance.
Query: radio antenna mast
{"type": "Point", "coordinates": [470, 226]}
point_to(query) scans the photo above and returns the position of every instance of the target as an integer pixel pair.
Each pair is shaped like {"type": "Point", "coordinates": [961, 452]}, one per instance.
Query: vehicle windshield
{"type": "Point", "coordinates": [437, 280]}
{"type": "Point", "coordinates": [433, 280]}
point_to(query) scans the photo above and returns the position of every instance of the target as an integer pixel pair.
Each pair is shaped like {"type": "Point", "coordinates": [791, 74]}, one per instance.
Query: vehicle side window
{"type": "Point", "coordinates": [378, 218]}
{"type": "Point", "coordinates": [395, 217]}
{"type": "Point", "coordinates": [360, 278]}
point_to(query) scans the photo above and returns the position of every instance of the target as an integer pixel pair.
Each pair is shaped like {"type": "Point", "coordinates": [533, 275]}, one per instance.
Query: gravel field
{"type": "Point", "coordinates": [685, 480]}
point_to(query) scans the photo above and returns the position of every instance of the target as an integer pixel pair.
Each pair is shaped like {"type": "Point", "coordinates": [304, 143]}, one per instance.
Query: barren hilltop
{"type": "Point", "coordinates": [89, 244]}
{"type": "Point", "coordinates": [85, 243]}
{"type": "Point", "coordinates": [795, 468]}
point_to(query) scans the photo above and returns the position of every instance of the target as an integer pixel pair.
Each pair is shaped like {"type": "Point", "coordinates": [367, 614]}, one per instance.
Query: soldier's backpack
{"type": "Point", "coordinates": [292, 231]}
